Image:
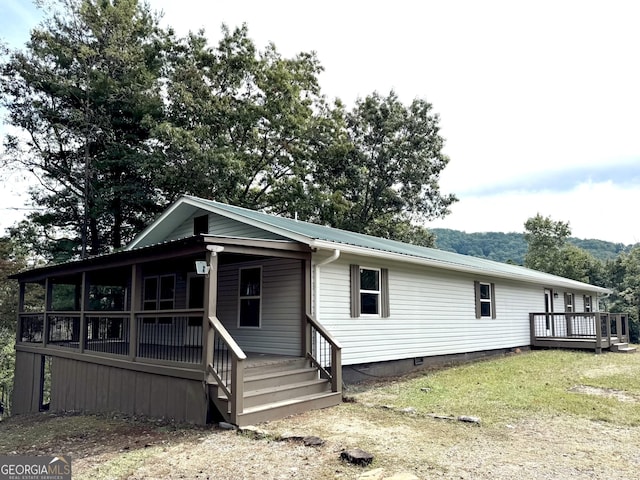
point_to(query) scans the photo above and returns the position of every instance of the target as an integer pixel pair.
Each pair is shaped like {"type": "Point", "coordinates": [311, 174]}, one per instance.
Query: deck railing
{"type": "Point", "coordinates": [602, 328]}
{"type": "Point", "coordinates": [324, 352]}
{"type": "Point", "coordinates": [64, 329]}
{"type": "Point", "coordinates": [174, 336]}
{"type": "Point", "coordinates": [108, 333]}
{"type": "Point", "coordinates": [226, 366]}
{"type": "Point", "coordinates": [31, 327]}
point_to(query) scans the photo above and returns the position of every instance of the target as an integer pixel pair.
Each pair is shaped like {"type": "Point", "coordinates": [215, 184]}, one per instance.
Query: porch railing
{"type": "Point", "coordinates": [601, 327]}
{"type": "Point", "coordinates": [174, 336]}
{"type": "Point", "coordinates": [227, 366]}
{"type": "Point", "coordinates": [31, 327]}
{"type": "Point", "coordinates": [324, 352]}
{"type": "Point", "coordinates": [108, 333]}
{"type": "Point", "coordinates": [64, 329]}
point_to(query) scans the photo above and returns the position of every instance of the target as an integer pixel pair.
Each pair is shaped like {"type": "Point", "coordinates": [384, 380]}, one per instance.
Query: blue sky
{"type": "Point", "coordinates": [538, 100]}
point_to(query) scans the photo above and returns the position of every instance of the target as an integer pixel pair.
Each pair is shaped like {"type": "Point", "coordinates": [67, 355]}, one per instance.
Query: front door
{"type": "Point", "coordinates": [548, 309]}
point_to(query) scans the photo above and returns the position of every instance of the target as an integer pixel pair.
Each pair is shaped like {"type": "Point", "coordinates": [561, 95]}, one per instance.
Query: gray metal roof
{"type": "Point", "coordinates": [327, 237]}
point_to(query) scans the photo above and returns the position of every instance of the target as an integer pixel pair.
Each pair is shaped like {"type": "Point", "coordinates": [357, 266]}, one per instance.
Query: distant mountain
{"type": "Point", "coordinates": [512, 247]}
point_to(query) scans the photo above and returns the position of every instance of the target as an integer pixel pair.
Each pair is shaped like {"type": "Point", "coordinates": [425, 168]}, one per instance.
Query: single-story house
{"type": "Point", "coordinates": [220, 312]}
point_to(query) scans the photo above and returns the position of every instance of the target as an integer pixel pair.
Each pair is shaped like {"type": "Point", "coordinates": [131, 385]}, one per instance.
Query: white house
{"type": "Point", "coordinates": [279, 310]}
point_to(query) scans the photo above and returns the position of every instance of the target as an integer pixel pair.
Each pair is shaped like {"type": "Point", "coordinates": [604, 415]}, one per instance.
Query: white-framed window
{"type": "Point", "coordinates": [588, 305]}
{"type": "Point", "coordinates": [369, 291]}
{"type": "Point", "coordinates": [158, 293]}
{"type": "Point", "coordinates": [485, 294]}
{"type": "Point", "coordinates": [569, 302]}
{"type": "Point", "coordinates": [250, 297]}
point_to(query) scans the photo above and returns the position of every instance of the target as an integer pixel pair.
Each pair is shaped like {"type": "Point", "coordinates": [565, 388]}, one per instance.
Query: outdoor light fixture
{"type": "Point", "coordinates": [201, 267]}
{"type": "Point", "coordinates": [555, 294]}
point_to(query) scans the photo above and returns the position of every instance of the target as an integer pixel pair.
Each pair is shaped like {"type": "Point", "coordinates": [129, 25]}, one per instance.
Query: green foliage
{"type": "Point", "coordinates": [549, 251]}
{"type": "Point", "coordinates": [388, 178]}
{"type": "Point", "coordinates": [86, 90]}
{"type": "Point", "coordinates": [512, 247]}
{"type": "Point", "coordinates": [624, 279]}
{"type": "Point", "coordinates": [546, 239]}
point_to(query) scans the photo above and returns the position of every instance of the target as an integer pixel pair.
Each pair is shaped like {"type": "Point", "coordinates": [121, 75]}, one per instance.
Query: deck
{"type": "Point", "coordinates": [595, 331]}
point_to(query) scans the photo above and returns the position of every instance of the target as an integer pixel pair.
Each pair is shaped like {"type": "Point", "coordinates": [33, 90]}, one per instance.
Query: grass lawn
{"type": "Point", "coordinates": [544, 415]}
{"type": "Point", "coordinates": [517, 386]}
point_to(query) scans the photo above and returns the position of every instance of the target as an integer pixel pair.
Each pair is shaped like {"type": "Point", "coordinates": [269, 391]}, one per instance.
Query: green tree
{"type": "Point", "coordinates": [549, 251]}
{"type": "Point", "coordinates": [12, 260]}
{"type": "Point", "coordinates": [86, 91]}
{"type": "Point", "coordinates": [546, 239]}
{"type": "Point", "coordinates": [386, 182]}
{"type": "Point", "coordinates": [243, 126]}
{"type": "Point", "coordinates": [624, 278]}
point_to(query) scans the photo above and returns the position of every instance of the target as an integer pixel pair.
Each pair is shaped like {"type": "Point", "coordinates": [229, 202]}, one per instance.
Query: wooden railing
{"type": "Point", "coordinates": [601, 327]}
{"type": "Point", "coordinates": [170, 335]}
{"type": "Point", "coordinates": [226, 366]}
{"type": "Point", "coordinates": [162, 336]}
{"type": "Point", "coordinates": [324, 352]}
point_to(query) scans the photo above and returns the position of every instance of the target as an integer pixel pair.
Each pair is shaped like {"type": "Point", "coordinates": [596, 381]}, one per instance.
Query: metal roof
{"type": "Point", "coordinates": [321, 236]}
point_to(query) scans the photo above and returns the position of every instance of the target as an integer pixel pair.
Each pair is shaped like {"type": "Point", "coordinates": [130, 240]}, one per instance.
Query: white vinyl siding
{"type": "Point", "coordinates": [281, 302]}
{"type": "Point", "coordinates": [222, 226]}
{"type": "Point", "coordinates": [433, 314]}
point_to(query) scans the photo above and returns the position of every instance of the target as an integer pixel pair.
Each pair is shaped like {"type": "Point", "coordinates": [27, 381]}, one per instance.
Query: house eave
{"type": "Point", "coordinates": [549, 280]}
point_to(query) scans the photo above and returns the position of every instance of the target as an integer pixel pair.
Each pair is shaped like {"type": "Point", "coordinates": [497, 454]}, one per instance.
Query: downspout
{"type": "Point", "coordinates": [316, 281]}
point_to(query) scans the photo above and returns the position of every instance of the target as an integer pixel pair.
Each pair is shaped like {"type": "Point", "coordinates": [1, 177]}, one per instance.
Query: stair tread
{"type": "Point", "coordinates": [288, 386]}
{"type": "Point", "coordinates": [289, 401]}
{"type": "Point", "coordinates": [278, 373]}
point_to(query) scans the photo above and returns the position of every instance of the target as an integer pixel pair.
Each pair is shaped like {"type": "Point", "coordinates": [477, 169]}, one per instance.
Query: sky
{"type": "Point", "coordinates": [539, 101]}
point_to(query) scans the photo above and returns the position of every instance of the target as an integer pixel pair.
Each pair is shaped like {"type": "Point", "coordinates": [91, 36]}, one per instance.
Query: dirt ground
{"type": "Point", "coordinates": [536, 448]}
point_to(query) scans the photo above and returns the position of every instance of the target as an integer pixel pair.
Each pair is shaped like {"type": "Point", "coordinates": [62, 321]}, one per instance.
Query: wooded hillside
{"type": "Point", "coordinates": [512, 247]}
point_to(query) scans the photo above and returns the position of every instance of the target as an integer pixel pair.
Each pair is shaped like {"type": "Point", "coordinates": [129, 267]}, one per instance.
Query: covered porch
{"type": "Point", "coordinates": [582, 330]}
{"type": "Point", "coordinates": [148, 311]}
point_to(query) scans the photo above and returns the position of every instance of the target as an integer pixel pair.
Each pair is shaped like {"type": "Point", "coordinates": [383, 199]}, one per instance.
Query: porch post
{"type": "Point", "coordinates": [21, 289]}
{"type": "Point", "coordinates": [83, 306]}
{"type": "Point", "coordinates": [210, 306]}
{"type": "Point", "coordinates": [47, 307]}
{"type": "Point", "coordinates": [306, 306]}
{"type": "Point", "coordinates": [134, 303]}
{"type": "Point", "coordinates": [597, 319]}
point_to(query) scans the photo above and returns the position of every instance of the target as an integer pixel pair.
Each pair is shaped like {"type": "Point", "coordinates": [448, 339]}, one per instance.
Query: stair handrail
{"type": "Point", "coordinates": [336, 353]}
{"type": "Point", "coordinates": [234, 391]}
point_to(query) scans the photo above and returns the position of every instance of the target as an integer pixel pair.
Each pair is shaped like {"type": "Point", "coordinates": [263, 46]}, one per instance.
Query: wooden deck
{"type": "Point", "coordinates": [595, 331]}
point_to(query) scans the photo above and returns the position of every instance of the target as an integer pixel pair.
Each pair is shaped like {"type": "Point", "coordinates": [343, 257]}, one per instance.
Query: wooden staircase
{"type": "Point", "coordinates": [275, 390]}
{"type": "Point", "coordinates": [622, 348]}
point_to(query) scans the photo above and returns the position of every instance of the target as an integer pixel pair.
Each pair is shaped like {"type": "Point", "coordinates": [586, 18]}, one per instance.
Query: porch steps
{"type": "Point", "coordinates": [622, 348]}
{"type": "Point", "coordinates": [277, 390]}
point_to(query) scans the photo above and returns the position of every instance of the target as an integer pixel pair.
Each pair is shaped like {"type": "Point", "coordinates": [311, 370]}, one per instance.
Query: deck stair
{"type": "Point", "coordinates": [276, 389]}
{"type": "Point", "coordinates": [622, 348]}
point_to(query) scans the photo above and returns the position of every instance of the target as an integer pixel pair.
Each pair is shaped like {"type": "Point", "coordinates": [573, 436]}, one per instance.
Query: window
{"type": "Point", "coordinates": [588, 306]}
{"type": "Point", "coordinates": [195, 294]}
{"type": "Point", "coordinates": [569, 302]}
{"type": "Point", "coordinates": [159, 294]}
{"type": "Point", "coordinates": [249, 297]}
{"type": "Point", "coordinates": [485, 294]}
{"type": "Point", "coordinates": [369, 291]}
{"type": "Point", "coordinates": [201, 224]}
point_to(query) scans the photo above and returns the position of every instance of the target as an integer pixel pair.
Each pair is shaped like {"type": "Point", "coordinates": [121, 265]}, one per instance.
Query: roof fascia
{"type": "Point", "coordinates": [254, 223]}
{"type": "Point", "coordinates": [355, 250]}
{"type": "Point", "coordinates": [144, 233]}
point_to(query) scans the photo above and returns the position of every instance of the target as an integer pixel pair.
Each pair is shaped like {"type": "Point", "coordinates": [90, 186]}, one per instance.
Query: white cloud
{"type": "Point", "coordinates": [523, 89]}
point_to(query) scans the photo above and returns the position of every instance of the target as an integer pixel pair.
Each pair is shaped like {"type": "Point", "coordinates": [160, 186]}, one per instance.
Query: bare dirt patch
{"type": "Point", "coordinates": [541, 447]}
{"type": "Point", "coordinates": [605, 392]}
